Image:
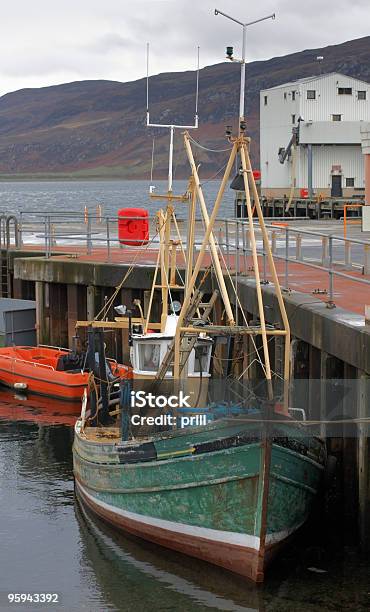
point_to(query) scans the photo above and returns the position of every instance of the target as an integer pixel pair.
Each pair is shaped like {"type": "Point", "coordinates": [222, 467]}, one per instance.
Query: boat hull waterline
{"type": "Point", "coordinates": [209, 506]}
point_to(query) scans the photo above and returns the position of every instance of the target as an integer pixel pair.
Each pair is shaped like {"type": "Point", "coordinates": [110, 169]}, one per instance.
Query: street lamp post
{"type": "Point", "coordinates": [243, 60]}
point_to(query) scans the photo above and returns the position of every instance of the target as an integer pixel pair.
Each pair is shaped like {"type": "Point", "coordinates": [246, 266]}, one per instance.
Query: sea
{"type": "Point", "coordinates": [27, 197]}
{"type": "Point", "coordinates": [50, 546]}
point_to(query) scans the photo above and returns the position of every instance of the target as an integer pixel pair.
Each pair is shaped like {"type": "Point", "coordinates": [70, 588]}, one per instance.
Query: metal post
{"type": "Point", "coordinates": [108, 237]}
{"type": "Point", "coordinates": [309, 170]}
{"type": "Point", "coordinates": [242, 80]}
{"type": "Point", "coordinates": [88, 236]}
{"type": "Point", "coordinates": [347, 255]}
{"type": "Point", "coordinates": [298, 247]}
{"type": "Point", "coordinates": [330, 303]}
{"type": "Point", "coordinates": [46, 236]}
{"type": "Point", "coordinates": [273, 242]}
{"type": "Point", "coordinates": [170, 162]}
{"type": "Point", "coordinates": [324, 248]}
{"type": "Point", "coordinates": [286, 258]}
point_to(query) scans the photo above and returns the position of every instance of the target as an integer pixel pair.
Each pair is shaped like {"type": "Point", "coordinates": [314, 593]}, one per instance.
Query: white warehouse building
{"type": "Point", "coordinates": [313, 126]}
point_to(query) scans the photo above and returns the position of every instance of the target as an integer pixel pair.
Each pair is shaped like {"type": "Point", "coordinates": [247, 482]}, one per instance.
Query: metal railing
{"type": "Point", "coordinates": [336, 255]}
{"type": "Point", "coordinates": [53, 231]}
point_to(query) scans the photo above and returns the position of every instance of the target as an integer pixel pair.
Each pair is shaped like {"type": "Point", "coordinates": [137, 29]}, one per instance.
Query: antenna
{"type": "Point", "coordinates": [171, 126]}
{"type": "Point", "coordinates": [242, 61]}
{"type": "Point", "coordinates": [152, 187]}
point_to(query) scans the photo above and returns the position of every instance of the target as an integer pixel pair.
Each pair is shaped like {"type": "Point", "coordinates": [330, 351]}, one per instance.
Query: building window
{"type": "Point", "coordinates": [350, 182]}
{"type": "Point", "coordinates": [293, 95]}
{"type": "Point", "coordinates": [337, 117]}
{"type": "Point", "coordinates": [361, 95]}
{"type": "Point", "coordinates": [311, 94]}
{"type": "Point", "coordinates": [293, 118]}
{"type": "Point", "coordinates": [345, 91]}
{"type": "Point", "coordinates": [265, 100]}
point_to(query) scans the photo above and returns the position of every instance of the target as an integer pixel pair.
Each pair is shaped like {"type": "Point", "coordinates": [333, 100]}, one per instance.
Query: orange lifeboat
{"type": "Point", "coordinates": [46, 371]}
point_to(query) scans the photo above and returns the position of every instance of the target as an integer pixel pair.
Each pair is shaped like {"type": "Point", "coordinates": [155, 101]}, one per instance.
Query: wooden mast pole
{"type": "Point", "coordinates": [210, 239]}
{"type": "Point", "coordinates": [200, 257]}
{"type": "Point", "coordinates": [256, 267]}
{"type": "Point", "coordinates": [190, 235]}
{"type": "Point", "coordinates": [274, 275]}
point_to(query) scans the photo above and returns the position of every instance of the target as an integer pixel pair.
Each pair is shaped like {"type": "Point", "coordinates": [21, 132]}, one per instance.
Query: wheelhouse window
{"type": "Point", "coordinates": [293, 95]}
{"type": "Point", "coordinates": [265, 100]}
{"type": "Point", "coordinates": [361, 95]}
{"type": "Point", "coordinates": [285, 95]}
{"type": "Point", "coordinates": [336, 117]}
{"type": "Point", "coordinates": [345, 91]}
{"type": "Point", "coordinates": [293, 118]}
{"type": "Point", "coordinates": [149, 356]}
{"type": "Point", "coordinates": [350, 182]}
{"type": "Point", "coordinates": [311, 94]}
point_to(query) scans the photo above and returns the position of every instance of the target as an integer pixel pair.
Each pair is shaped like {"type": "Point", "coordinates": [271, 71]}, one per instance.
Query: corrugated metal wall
{"type": "Point", "coordinates": [350, 159]}
{"type": "Point", "coordinates": [328, 102]}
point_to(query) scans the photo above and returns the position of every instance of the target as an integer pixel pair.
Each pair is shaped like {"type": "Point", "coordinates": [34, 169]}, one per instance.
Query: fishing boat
{"type": "Point", "coordinates": [50, 371]}
{"type": "Point", "coordinates": [229, 484]}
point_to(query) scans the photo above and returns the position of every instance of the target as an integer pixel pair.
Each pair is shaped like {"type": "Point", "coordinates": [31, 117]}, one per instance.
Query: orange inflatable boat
{"type": "Point", "coordinates": [48, 371]}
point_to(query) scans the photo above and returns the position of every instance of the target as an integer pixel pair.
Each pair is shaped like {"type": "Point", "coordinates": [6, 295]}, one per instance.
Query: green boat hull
{"type": "Point", "coordinates": [221, 493]}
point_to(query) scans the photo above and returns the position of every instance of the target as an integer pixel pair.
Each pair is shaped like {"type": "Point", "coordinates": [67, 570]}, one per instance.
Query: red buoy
{"type": "Point", "coordinates": [133, 226]}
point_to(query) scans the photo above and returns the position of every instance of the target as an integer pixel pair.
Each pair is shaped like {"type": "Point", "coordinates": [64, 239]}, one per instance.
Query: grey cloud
{"type": "Point", "coordinates": [43, 43]}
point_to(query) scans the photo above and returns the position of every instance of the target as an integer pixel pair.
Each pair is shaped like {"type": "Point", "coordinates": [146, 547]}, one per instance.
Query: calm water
{"type": "Point", "coordinates": [73, 196]}
{"type": "Point", "coordinates": [49, 545]}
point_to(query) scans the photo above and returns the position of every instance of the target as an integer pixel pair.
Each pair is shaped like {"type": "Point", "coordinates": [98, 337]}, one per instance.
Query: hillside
{"type": "Point", "coordinates": [97, 128]}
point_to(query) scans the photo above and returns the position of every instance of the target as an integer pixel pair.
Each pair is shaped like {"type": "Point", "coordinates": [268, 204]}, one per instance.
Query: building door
{"type": "Point", "coordinates": [336, 186]}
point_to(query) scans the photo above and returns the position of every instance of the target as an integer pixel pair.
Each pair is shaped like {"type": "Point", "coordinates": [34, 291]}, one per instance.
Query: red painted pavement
{"type": "Point", "coordinates": [349, 294]}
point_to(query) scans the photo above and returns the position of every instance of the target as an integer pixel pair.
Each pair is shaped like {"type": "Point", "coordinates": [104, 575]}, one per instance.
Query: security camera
{"type": "Point", "coordinates": [273, 16]}
{"type": "Point", "coordinates": [216, 12]}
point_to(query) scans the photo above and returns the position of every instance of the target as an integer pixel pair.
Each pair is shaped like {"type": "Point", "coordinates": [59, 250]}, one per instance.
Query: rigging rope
{"type": "Point", "coordinates": [197, 144]}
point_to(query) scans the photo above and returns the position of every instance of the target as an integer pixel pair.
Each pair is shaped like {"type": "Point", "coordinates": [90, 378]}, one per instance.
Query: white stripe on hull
{"type": "Point", "coordinates": [215, 535]}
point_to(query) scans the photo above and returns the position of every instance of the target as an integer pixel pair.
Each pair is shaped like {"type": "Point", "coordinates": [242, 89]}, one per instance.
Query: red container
{"type": "Point", "coordinates": [304, 193]}
{"type": "Point", "coordinates": [133, 226]}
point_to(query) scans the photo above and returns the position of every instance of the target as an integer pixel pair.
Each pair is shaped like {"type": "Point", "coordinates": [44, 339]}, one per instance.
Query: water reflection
{"type": "Point", "coordinates": [158, 579]}
{"type": "Point", "coordinates": [49, 545]}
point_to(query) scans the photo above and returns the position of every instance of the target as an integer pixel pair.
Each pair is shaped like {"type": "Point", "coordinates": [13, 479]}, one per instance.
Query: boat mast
{"type": "Point", "coordinates": [240, 146]}
{"type": "Point", "coordinates": [165, 221]}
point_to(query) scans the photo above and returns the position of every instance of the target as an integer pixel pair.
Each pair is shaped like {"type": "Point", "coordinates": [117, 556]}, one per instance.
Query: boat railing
{"type": "Point", "coordinates": [57, 348]}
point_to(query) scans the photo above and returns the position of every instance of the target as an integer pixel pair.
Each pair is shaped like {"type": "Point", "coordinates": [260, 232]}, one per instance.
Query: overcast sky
{"type": "Point", "coordinates": [44, 42]}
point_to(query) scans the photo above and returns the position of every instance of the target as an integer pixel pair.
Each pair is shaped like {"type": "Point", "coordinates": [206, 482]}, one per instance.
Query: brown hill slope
{"type": "Point", "coordinates": [97, 128]}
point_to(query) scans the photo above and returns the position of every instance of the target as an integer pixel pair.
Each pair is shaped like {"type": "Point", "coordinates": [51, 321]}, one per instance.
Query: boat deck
{"type": "Point", "coordinates": [101, 434]}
